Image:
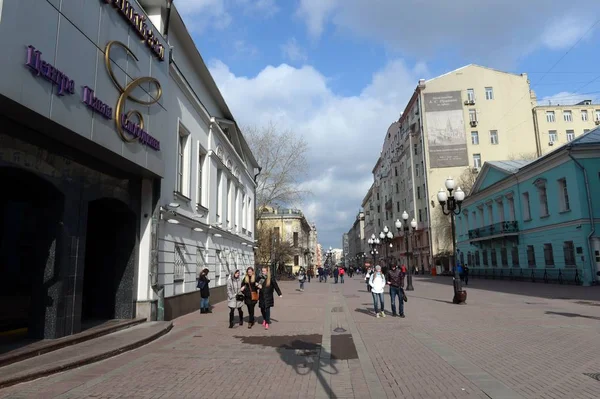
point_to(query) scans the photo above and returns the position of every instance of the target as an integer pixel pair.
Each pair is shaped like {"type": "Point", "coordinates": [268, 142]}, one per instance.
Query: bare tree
{"type": "Point", "coordinates": [523, 156]}
{"type": "Point", "coordinates": [282, 157]}
{"type": "Point", "coordinates": [271, 249]}
{"type": "Point", "coordinates": [467, 179]}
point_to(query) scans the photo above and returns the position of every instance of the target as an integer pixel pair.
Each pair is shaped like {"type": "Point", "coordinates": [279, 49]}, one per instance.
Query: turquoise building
{"type": "Point", "coordinates": [536, 220]}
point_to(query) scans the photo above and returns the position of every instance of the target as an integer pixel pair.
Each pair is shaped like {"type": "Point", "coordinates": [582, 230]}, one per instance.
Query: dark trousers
{"type": "Point", "coordinates": [266, 314]}
{"type": "Point", "coordinates": [466, 279]}
{"type": "Point", "coordinates": [397, 292]}
{"type": "Point", "coordinates": [240, 313]}
{"type": "Point", "coordinates": [335, 278]}
{"type": "Point", "coordinates": [368, 288]}
{"type": "Point", "coordinates": [251, 307]}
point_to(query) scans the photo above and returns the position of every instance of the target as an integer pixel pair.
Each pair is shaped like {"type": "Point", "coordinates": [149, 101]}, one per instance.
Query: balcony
{"type": "Point", "coordinates": [502, 228]}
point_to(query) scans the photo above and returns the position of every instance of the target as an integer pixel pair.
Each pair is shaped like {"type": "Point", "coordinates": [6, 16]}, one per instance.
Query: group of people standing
{"type": "Point", "coordinates": [249, 291]}
{"type": "Point", "coordinates": [376, 283]}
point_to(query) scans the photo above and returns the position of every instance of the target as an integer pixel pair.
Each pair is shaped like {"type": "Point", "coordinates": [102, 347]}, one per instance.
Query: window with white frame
{"type": "Point", "coordinates": [526, 206]}
{"type": "Point", "coordinates": [182, 183]}
{"type": "Point", "coordinates": [470, 95]}
{"type": "Point", "coordinates": [477, 160]}
{"type": "Point", "coordinates": [229, 212]}
{"type": "Point", "coordinates": [550, 116]}
{"type": "Point", "coordinates": [552, 136]}
{"type": "Point", "coordinates": [218, 266]}
{"type": "Point", "coordinates": [489, 93]}
{"type": "Point", "coordinates": [472, 115]}
{"type": "Point", "coordinates": [570, 135]}
{"type": "Point", "coordinates": [500, 205]}
{"type": "Point", "coordinates": [201, 263]}
{"type": "Point", "coordinates": [481, 220]}
{"type": "Point", "coordinates": [490, 210]}
{"type": "Point", "coordinates": [201, 159]}
{"type": "Point", "coordinates": [584, 115]}
{"type": "Point", "coordinates": [179, 263]}
{"type": "Point", "coordinates": [511, 208]}
{"type": "Point", "coordinates": [568, 116]}
{"type": "Point", "coordinates": [597, 115]}
{"type": "Point", "coordinates": [569, 253]}
{"type": "Point", "coordinates": [493, 137]}
{"type": "Point", "coordinates": [564, 195]}
{"type": "Point", "coordinates": [475, 138]}
{"type": "Point", "coordinates": [548, 255]}
{"type": "Point", "coordinates": [219, 195]}
{"type": "Point", "coordinates": [543, 197]}
{"type": "Point", "coordinates": [474, 216]}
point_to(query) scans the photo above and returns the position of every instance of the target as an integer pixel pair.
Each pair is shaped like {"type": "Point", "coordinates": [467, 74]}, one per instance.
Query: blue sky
{"type": "Point", "coordinates": [339, 72]}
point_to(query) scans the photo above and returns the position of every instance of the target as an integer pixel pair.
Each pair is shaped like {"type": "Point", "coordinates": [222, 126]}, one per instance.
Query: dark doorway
{"type": "Point", "coordinates": [109, 261]}
{"type": "Point", "coordinates": [31, 210]}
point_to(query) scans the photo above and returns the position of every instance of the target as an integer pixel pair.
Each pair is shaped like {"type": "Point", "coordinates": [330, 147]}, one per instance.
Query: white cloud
{"type": "Point", "coordinates": [566, 98]}
{"type": "Point", "coordinates": [242, 49]}
{"type": "Point", "coordinates": [202, 14]}
{"type": "Point", "coordinates": [344, 133]}
{"type": "Point", "coordinates": [293, 52]}
{"type": "Point", "coordinates": [496, 33]}
{"type": "Point", "coordinates": [265, 8]}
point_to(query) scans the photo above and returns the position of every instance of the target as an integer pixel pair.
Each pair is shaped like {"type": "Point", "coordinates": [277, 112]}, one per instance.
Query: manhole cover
{"type": "Point", "coordinates": [337, 309]}
{"type": "Point", "coordinates": [339, 330]}
{"type": "Point", "coordinates": [595, 376]}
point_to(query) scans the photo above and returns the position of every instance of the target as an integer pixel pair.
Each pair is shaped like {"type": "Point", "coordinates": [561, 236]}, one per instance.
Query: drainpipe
{"type": "Point", "coordinates": [536, 131]}
{"type": "Point", "coordinates": [168, 18]}
{"type": "Point", "coordinates": [590, 214]}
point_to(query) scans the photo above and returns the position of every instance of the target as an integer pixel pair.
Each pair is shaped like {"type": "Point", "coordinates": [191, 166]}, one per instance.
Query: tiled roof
{"type": "Point", "coordinates": [509, 166]}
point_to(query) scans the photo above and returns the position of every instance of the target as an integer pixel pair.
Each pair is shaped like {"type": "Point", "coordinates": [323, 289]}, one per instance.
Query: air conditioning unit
{"type": "Point", "coordinates": [472, 102]}
{"type": "Point", "coordinates": [473, 123]}
{"type": "Point", "coordinates": [475, 170]}
{"type": "Point", "coordinates": [551, 143]}
{"type": "Point", "coordinates": [467, 102]}
{"type": "Point", "coordinates": [598, 122]}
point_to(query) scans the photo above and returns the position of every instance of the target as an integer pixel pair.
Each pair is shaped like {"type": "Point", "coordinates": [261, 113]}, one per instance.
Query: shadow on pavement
{"type": "Point", "coordinates": [432, 299]}
{"type": "Point", "coordinates": [370, 311]}
{"type": "Point", "coordinates": [540, 289]}
{"type": "Point", "coordinates": [303, 353]}
{"type": "Point", "coordinates": [565, 314]}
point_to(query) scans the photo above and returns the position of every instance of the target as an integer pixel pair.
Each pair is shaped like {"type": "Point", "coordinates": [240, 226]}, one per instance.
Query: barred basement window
{"type": "Point", "coordinates": [179, 270]}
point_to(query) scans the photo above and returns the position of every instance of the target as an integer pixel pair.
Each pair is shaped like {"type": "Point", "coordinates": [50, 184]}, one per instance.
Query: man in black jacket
{"type": "Point", "coordinates": [395, 279]}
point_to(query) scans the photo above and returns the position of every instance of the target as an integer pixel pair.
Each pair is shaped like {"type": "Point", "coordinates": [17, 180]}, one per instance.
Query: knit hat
{"type": "Point", "coordinates": [378, 268]}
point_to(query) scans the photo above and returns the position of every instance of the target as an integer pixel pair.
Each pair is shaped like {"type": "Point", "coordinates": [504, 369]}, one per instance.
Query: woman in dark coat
{"type": "Point", "coordinates": [203, 281]}
{"type": "Point", "coordinates": [267, 285]}
{"type": "Point", "coordinates": [249, 287]}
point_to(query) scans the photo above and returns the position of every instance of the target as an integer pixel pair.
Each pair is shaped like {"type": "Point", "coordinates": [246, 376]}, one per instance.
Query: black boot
{"type": "Point", "coordinates": [202, 311]}
{"type": "Point", "coordinates": [231, 319]}
{"type": "Point", "coordinates": [208, 310]}
{"type": "Point", "coordinates": [241, 314]}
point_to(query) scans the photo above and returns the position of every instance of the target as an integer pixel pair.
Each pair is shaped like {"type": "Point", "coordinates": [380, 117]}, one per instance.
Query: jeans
{"type": "Point", "coordinates": [397, 292]}
{"type": "Point", "coordinates": [301, 284]}
{"type": "Point", "coordinates": [335, 278]}
{"type": "Point", "coordinates": [251, 312]}
{"type": "Point", "coordinates": [342, 278]}
{"type": "Point", "coordinates": [375, 298]}
{"type": "Point", "coordinates": [266, 314]}
{"type": "Point", "coordinates": [204, 303]}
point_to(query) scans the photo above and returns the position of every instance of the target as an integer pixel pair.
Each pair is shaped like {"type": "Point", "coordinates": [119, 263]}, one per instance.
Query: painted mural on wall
{"type": "Point", "coordinates": [446, 137]}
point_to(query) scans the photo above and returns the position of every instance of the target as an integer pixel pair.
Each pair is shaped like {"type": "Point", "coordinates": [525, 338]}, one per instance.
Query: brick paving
{"type": "Point", "coordinates": [532, 341]}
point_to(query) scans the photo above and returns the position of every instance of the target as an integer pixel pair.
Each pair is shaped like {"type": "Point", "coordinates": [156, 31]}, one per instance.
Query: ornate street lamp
{"type": "Point", "coordinates": [399, 226]}
{"type": "Point", "coordinates": [374, 244]}
{"type": "Point", "coordinates": [386, 237]}
{"type": "Point", "coordinates": [451, 204]}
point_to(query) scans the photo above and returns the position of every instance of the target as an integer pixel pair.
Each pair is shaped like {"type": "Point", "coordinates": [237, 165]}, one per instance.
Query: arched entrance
{"type": "Point", "coordinates": [31, 210]}
{"type": "Point", "coordinates": [109, 261]}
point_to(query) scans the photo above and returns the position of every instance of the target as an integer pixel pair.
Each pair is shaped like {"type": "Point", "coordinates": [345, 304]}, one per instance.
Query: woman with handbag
{"type": "Point", "coordinates": [203, 282]}
{"type": "Point", "coordinates": [235, 298]}
{"type": "Point", "coordinates": [266, 302]}
{"type": "Point", "coordinates": [250, 291]}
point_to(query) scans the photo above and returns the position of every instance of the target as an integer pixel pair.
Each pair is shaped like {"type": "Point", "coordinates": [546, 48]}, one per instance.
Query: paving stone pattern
{"type": "Point", "coordinates": [512, 340]}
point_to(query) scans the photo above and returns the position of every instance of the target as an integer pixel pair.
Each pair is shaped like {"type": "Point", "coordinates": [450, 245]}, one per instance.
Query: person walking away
{"type": "Point", "coordinates": [235, 298]}
{"type": "Point", "coordinates": [301, 278]}
{"type": "Point", "coordinates": [466, 274]}
{"type": "Point", "coordinates": [377, 283]}
{"type": "Point", "coordinates": [368, 277]}
{"type": "Point", "coordinates": [320, 273]}
{"type": "Point", "coordinates": [395, 279]}
{"type": "Point", "coordinates": [251, 296]}
{"type": "Point", "coordinates": [203, 282]}
{"type": "Point", "coordinates": [336, 273]}
{"type": "Point", "coordinates": [309, 273]}
{"type": "Point", "coordinates": [266, 302]}
{"type": "Point", "coordinates": [342, 273]}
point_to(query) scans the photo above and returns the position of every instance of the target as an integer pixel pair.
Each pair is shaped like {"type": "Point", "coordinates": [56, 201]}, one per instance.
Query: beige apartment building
{"type": "Point", "coordinates": [556, 125]}
{"type": "Point", "coordinates": [451, 125]}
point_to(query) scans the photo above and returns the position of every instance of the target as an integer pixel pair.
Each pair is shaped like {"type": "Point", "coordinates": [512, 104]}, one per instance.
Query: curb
{"type": "Point", "coordinates": [82, 362]}
{"type": "Point", "coordinates": [67, 341]}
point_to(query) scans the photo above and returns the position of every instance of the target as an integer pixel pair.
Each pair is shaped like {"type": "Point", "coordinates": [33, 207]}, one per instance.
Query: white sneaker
{"type": "Point", "coordinates": [378, 315]}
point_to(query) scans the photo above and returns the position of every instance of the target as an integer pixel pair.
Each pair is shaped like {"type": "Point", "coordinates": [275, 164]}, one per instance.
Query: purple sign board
{"type": "Point", "coordinates": [66, 85]}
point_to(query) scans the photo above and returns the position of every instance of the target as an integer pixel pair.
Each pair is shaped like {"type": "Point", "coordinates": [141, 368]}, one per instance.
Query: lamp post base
{"type": "Point", "coordinates": [460, 298]}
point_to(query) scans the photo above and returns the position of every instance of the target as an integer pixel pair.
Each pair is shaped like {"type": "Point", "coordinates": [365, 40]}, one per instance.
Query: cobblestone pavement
{"type": "Point", "coordinates": [324, 342]}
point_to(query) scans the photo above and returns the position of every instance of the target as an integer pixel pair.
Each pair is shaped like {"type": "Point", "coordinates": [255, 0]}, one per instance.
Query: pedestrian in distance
{"type": "Point", "coordinates": [251, 296]}
{"type": "Point", "coordinates": [368, 274]}
{"type": "Point", "coordinates": [342, 273]}
{"type": "Point", "coordinates": [267, 285]}
{"type": "Point", "coordinates": [336, 273]}
{"type": "Point", "coordinates": [301, 278]}
{"type": "Point", "coordinates": [202, 285]}
{"type": "Point", "coordinates": [377, 283]}
{"type": "Point", "coordinates": [466, 274]}
{"type": "Point", "coordinates": [235, 298]}
{"type": "Point", "coordinates": [395, 279]}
